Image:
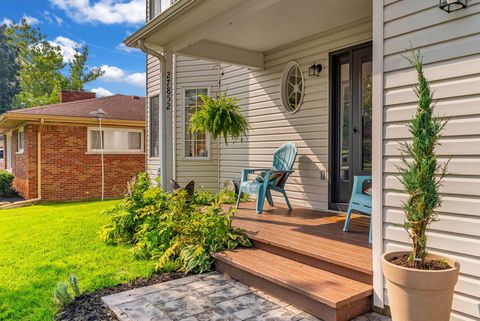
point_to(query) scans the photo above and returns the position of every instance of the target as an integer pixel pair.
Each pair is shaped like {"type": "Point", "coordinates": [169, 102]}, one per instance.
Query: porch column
{"type": "Point", "coordinates": [166, 115]}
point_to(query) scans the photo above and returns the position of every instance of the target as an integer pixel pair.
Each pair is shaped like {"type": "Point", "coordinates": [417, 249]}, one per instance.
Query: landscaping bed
{"type": "Point", "coordinates": [90, 307]}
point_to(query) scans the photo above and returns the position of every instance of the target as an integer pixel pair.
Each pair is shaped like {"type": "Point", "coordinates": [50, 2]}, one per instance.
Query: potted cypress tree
{"type": "Point", "coordinates": [420, 285]}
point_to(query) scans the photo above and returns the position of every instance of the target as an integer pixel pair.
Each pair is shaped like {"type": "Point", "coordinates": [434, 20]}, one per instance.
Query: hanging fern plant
{"type": "Point", "coordinates": [221, 117]}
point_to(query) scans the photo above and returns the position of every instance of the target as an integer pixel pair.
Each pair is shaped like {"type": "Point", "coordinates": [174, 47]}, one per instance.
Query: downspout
{"type": "Point", "coordinates": [163, 73]}
{"type": "Point", "coordinates": [151, 52]}
{"type": "Point", "coordinates": [174, 113]}
{"type": "Point", "coordinates": [39, 159]}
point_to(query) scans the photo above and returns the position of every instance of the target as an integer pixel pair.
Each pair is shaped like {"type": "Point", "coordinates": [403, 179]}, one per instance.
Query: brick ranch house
{"type": "Point", "coordinates": [54, 151]}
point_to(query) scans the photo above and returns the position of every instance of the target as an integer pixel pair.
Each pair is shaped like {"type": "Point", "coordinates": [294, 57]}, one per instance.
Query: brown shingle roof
{"type": "Point", "coordinates": [117, 107]}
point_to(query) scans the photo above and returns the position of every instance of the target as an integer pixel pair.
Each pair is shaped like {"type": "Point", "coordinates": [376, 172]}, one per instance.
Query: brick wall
{"type": "Point", "coordinates": [68, 172]}
{"type": "Point", "coordinates": [24, 164]}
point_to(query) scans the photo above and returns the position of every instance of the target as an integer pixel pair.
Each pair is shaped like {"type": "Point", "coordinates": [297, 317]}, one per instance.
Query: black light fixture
{"type": "Point", "coordinates": [315, 70]}
{"type": "Point", "coordinates": [452, 5]}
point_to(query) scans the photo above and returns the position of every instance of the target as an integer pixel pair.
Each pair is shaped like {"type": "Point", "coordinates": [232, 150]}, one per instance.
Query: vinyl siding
{"type": "Point", "coordinates": [259, 94]}
{"type": "Point", "coordinates": [450, 44]}
{"type": "Point", "coordinates": [194, 73]}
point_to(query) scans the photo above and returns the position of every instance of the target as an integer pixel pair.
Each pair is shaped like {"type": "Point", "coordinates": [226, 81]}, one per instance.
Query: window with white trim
{"type": "Point", "coordinates": [20, 140]}
{"type": "Point", "coordinates": [196, 145]}
{"type": "Point", "coordinates": [155, 7]}
{"type": "Point", "coordinates": [293, 87]}
{"type": "Point", "coordinates": [154, 126]}
{"type": "Point", "coordinates": [115, 140]}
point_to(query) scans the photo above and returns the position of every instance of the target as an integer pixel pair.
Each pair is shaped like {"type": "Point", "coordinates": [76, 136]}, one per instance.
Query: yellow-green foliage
{"type": "Point", "coordinates": [178, 231]}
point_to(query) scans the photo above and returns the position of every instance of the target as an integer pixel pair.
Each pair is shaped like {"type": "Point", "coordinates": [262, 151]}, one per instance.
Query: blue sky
{"type": "Point", "coordinates": [100, 24]}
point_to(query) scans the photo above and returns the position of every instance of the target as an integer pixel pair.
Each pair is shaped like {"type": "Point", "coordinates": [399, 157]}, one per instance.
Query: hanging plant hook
{"type": "Point", "coordinates": [220, 73]}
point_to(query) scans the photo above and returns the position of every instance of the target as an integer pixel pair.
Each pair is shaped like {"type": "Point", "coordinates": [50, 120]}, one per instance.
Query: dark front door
{"type": "Point", "coordinates": [351, 120]}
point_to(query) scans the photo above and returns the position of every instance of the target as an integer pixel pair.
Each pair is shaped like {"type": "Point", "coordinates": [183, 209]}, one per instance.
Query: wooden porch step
{"type": "Point", "coordinates": [326, 295]}
{"type": "Point", "coordinates": [311, 237]}
{"type": "Point", "coordinates": [325, 260]}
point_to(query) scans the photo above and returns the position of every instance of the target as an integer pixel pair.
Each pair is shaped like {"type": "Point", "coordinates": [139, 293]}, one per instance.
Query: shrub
{"type": "Point", "coordinates": [6, 180]}
{"type": "Point", "coordinates": [178, 231]}
{"type": "Point", "coordinates": [62, 293]}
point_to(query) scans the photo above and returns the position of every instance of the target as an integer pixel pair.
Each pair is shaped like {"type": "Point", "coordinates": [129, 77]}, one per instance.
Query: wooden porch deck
{"type": "Point", "coordinates": [309, 232]}
{"type": "Point", "coordinates": [304, 257]}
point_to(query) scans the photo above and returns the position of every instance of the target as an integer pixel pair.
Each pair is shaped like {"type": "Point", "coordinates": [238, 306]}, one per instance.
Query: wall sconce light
{"type": "Point", "coordinates": [452, 5]}
{"type": "Point", "coordinates": [315, 70]}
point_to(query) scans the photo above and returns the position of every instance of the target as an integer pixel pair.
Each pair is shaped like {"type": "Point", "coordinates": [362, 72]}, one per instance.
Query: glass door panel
{"type": "Point", "coordinates": [351, 121]}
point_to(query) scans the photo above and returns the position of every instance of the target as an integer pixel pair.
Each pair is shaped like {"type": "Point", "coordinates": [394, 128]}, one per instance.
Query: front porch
{"type": "Point", "coordinates": [313, 233]}
{"type": "Point", "coordinates": [304, 257]}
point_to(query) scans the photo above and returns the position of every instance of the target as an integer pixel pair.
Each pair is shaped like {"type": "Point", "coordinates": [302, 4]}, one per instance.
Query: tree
{"type": "Point", "coordinates": [422, 175]}
{"type": "Point", "coordinates": [41, 64]}
{"type": "Point", "coordinates": [9, 83]}
{"type": "Point", "coordinates": [79, 73]}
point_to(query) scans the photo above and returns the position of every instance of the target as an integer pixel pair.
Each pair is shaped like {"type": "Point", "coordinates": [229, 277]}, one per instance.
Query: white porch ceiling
{"type": "Point", "coordinates": [214, 29]}
{"type": "Point", "coordinates": [287, 21]}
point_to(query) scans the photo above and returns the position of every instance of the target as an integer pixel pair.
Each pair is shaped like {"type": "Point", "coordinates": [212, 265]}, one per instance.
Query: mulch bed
{"type": "Point", "coordinates": [10, 199]}
{"type": "Point", "coordinates": [90, 307]}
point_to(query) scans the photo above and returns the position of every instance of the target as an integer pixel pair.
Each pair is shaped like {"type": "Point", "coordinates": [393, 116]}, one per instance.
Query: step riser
{"type": "Point", "coordinates": [302, 302]}
{"type": "Point", "coordinates": [318, 263]}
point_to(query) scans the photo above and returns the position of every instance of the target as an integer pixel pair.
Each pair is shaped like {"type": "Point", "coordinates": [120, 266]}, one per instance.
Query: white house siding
{"type": "Point", "coordinates": [450, 44]}
{"type": "Point", "coordinates": [194, 73]}
{"type": "Point", "coordinates": [259, 94]}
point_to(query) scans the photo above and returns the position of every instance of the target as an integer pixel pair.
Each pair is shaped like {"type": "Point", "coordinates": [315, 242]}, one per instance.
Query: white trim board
{"type": "Point", "coordinates": [377, 155]}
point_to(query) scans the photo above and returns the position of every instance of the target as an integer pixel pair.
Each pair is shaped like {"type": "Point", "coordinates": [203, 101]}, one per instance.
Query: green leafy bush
{"type": "Point", "coordinates": [6, 180]}
{"type": "Point", "coordinates": [179, 231]}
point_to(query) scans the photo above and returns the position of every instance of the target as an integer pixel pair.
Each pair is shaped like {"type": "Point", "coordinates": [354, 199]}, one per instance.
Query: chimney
{"type": "Point", "coordinates": [73, 95]}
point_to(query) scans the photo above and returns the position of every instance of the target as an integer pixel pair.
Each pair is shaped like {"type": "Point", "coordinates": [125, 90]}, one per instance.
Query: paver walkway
{"type": "Point", "coordinates": [206, 297]}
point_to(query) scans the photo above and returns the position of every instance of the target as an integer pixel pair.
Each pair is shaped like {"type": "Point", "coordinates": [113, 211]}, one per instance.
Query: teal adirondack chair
{"type": "Point", "coordinates": [270, 178]}
{"type": "Point", "coordinates": [360, 202]}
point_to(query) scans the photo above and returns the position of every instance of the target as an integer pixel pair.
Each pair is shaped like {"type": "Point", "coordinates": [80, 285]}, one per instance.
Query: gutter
{"type": "Point", "coordinates": [151, 52]}
{"type": "Point", "coordinates": [39, 160]}
{"type": "Point", "coordinates": [170, 14]}
{"type": "Point", "coordinates": [58, 120]}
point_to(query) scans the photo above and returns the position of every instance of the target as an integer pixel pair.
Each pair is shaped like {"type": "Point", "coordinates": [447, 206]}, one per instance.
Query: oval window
{"type": "Point", "coordinates": [293, 87]}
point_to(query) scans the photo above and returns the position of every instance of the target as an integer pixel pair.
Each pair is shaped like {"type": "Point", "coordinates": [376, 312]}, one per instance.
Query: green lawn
{"type": "Point", "coordinates": [41, 245]}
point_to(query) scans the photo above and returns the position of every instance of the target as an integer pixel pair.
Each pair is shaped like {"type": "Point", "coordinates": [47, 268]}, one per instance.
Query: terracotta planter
{"type": "Point", "coordinates": [419, 295]}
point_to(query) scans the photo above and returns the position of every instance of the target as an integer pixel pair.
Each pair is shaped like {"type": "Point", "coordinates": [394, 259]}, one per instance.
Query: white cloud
{"type": "Point", "coordinates": [137, 79]}
{"type": "Point", "coordinates": [101, 92]}
{"type": "Point", "coordinates": [115, 74]}
{"type": "Point", "coordinates": [52, 18]}
{"type": "Point", "coordinates": [6, 22]}
{"type": "Point", "coordinates": [67, 47]}
{"type": "Point", "coordinates": [122, 47]}
{"type": "Point", "coordinates": [31, 20]}
{"type": "Point", "coordinates": [112, 73]}
{"type": "Point", "coordinates": [103, 11]}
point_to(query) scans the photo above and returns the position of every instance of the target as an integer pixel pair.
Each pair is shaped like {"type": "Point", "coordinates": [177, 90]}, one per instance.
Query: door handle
{"type": "Point", "coordinates": [354, 130]}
